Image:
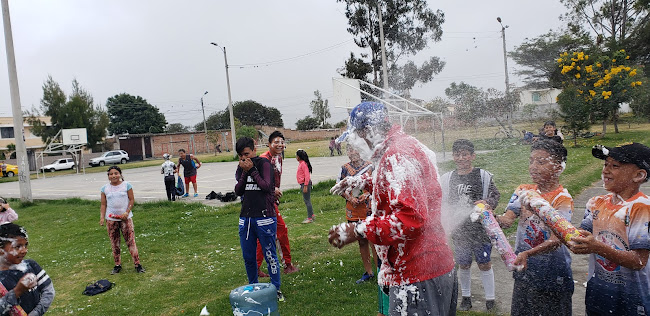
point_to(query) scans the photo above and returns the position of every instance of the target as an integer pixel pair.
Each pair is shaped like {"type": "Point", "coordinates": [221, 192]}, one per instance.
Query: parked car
{"type": "Point", "coordinates": [113, 156]}
{"type": "Point", "coordinates": [12, 170]}
{"type": "Point", "coordinates": [61, 164]}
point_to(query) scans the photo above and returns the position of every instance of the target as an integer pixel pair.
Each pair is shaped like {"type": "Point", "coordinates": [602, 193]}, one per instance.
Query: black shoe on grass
{"type": "Point", "coordinates": [116, 269]}
{"type": "Point", "coordinates": [139, 268]}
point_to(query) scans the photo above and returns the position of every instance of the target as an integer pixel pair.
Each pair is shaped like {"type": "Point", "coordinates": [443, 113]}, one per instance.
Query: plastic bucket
{"type": "Point", "coordinates": [254, 299]}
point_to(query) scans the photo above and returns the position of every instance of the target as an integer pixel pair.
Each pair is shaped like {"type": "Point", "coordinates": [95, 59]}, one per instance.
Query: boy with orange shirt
{"type": "Point", "coordinates": [546, 279]}
{"type": "Point", "coordinates": [616, 234]}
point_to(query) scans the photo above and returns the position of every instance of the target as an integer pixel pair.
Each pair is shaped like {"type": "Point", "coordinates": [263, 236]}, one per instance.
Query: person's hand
{"type": "Point", "coordinates": [354, 201]}
{"type": "Point", "coordinates": [246, 164]}
{"type": "Point", "coordinates": [341, 235]}
{"type": "Point", "coordinates": [585, 243]}
{"type": "Point", "coordinates": [27, 282]}
{"type": "Point", "coordinates": [124, 216]}
{"type": "Point", "coordinates": [278, 193]}
{"type": "Point", "coordinates": [521, 261]}
{"type": "Point", "coordinates": [485, 204]}
{"type": "Point", "coordinates": [101, 221]}
{"type": "Point", "coordinates": [304, 189]}
{"type": "Point", "coordinates": [198, 166]}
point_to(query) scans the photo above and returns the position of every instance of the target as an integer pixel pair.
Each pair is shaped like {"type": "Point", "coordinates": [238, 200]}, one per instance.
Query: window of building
{"type": "Point", "coordinates": [7, 132]}
{"type": "Point", "coordinates": [537, 96]}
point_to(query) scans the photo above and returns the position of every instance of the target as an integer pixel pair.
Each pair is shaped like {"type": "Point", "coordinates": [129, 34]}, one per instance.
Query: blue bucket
{"type": "Point", "coordinates": [255, 299]}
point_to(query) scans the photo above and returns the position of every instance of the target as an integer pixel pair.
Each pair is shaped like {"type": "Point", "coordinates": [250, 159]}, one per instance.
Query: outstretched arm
{"type": "Point", "coordinates": [635, 259]}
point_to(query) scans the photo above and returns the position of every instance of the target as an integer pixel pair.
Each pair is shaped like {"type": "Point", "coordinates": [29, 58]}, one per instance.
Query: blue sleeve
{"type": "Point", "coordinates": [128, 186]}
{"type": "Point", "coordinates": [514, 204]}
{"type": "Point", "coordinates": [102, 189]}
{"type": "Point", "coordinates": [587, 221]}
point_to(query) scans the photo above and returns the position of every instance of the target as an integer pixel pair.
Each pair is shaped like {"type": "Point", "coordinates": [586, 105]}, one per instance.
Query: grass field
{"type": "Point", "coordinates": [192, 255]}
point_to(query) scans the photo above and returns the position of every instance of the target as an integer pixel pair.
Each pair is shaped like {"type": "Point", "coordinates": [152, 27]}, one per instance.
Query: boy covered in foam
{"type": "Point", "coordinates": [28, 287]}
{"type": "Point", "coordinates": [545, 285]}
{"type": "Point", "coordinates": [615, 234]}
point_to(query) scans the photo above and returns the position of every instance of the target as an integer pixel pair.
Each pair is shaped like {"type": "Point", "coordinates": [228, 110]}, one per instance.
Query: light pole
{"type": "Point", "coordinates": [232, 117]}
{"type": "Point", "coordinates": [505, 64]}
{"type": "Point", "coordinates": [24, 182]}
{"type": "Point", "coordinates": [205, 126]}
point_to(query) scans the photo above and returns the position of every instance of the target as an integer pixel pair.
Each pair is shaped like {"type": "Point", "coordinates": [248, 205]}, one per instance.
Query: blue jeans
{"type": "Point", "coordinates": [263, 228]}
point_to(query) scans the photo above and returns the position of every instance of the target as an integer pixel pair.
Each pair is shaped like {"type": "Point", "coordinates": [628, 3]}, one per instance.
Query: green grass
{"type": "Point", "coordinates": [192, 255]}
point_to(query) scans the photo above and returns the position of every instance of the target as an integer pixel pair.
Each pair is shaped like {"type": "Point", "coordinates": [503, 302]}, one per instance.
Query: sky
{"type": "Point", "coordinates": [279, 52]}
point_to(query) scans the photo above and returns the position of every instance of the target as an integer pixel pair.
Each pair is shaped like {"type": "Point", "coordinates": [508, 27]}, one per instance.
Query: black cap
{"type": "Point", "coordinates": [634, 153]}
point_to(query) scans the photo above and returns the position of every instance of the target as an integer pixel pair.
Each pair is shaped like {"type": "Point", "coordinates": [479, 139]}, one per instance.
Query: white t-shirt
{"type": "Point", "coordinates": [168, 168]}
{"type": "Point", "coordinates": [117, 199]}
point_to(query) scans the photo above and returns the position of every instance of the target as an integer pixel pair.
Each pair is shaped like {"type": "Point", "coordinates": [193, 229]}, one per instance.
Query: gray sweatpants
{"type": "Point", "coordinates": [436, 297]}
{"type": "Point", "coordinates": [307, 198]}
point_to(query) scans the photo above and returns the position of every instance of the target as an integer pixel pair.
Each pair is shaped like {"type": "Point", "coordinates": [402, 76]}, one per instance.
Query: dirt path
{"type": "Point", "coordinates": [503, 278]}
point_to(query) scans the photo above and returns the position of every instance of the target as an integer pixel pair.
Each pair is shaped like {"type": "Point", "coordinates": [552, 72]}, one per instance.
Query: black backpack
{"type": "Point", "coordinates": [100, 286]}
{"type": "Point", "coordinates": [229, 197]}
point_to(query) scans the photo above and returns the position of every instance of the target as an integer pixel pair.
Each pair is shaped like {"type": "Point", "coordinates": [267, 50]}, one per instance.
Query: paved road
{"type": "Point", "coordinates": [148, 182]}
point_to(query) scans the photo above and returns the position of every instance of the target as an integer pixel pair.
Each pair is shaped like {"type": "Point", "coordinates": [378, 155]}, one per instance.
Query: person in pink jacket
{"type": "Point", "coordinates": [7, 214]}
{"type": "Point", "coordinates": [303, 176]}
{"type": "Point", "coordinates": [417, 270]}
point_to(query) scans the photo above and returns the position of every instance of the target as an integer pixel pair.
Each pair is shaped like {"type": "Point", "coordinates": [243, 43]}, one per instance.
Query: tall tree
{"type": "Point", "coordinates": [252, 113]}
{"type": "Point", "coordinates": [75, 111]}
{"type": "Point", "coordinates": [356, 68]}
{"type": "Point", "coordinates": [320, 109]}
{"type": "Point", "coordinates": [403, 78]}
{"type": "Point", "coordinates": [537, 57]}
{"type": "Point", "coordinates": [133, 115]}
{"type": "Point", "coordinates": [612, 21]}
{"type": "Point", "coordinates": [408, 26]}
{"type": "Point", "coordinates": [575, 111]}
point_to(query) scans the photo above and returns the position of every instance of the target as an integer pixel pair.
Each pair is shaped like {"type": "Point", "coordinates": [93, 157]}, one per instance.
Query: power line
{"type": "Point", "coordinates": [273, 62]}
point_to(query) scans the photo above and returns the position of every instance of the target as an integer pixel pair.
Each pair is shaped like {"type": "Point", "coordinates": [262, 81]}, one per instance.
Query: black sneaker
{"type": "Point", "coordinates": [139, 268]}
{"type": "Point", "coordinates": [280, 296]}
{"type": "Point", "coordinates": [465, 304]}
{"type": "Point", "coordinates": [116, 269]}
{"type": "Point", "coordinates": [489, 304]}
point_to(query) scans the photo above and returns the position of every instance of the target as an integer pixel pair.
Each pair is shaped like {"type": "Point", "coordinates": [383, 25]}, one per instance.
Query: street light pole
{"type": "Point", "coordinates": [24, 182]}
{"type": "Point", "coordinates": [232, 116]}
{"type": "Point", "coordinates": [505, 64]}
{"type": "Point", "coordinates": [205, 126]}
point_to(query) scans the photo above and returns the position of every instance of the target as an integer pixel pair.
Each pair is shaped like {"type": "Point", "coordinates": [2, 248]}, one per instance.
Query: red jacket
{"type": "Point", "coordinates": [405, 223]}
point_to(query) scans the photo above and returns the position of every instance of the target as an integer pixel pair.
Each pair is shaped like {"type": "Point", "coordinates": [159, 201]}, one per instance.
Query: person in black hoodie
{"type": "Point", "coordinates": [257, 219]}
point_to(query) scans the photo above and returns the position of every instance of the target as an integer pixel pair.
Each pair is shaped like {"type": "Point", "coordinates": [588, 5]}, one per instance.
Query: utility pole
{"type": "Point", "coordinates": [232, 116]}
{"type": "Point", "coordinates": [205, 126]}
{"type": "Point", "coordinates": [19, 134]}
{"type": "Point", "coordinates": [505, 64]}
{"type": "Point", "coordinates": [383, 47]}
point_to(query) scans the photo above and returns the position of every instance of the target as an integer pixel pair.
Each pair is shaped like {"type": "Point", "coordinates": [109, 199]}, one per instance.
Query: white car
{"type": "Point", "coordinates": [61, 164]}
{"type": "Point", "coordinates": [113, 156]}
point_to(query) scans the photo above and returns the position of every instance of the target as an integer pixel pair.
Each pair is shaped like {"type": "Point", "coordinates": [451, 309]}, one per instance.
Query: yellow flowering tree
{"type": "Point", "coordinates": [603, 82]}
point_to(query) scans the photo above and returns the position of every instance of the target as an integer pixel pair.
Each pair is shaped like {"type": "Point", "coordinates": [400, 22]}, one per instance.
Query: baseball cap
{"type": "Point", "coordinates": [634, 153]}
{"type": "Point", "coordinates": [363, 115]}
{"type": "Point", "coordinates": [166, 156]}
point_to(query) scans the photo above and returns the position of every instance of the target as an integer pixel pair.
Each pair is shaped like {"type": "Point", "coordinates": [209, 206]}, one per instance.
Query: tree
{"type": "Point", "coordinates": [641, 101]}
{"type": "Point", "coordinates": [537, 57]}
{"type": "Point", "coordinates": [341, 124]}
{"type": "Point", "coordinates": [356, 68]}
{"type": "Point", "coordinates": [247, 131]}
{"type": "Point", "coordinates": [75, 111]}
{"type": "Point", "coordinates": [438, 105]}
{"type": "Point", "coordinates": [307, 123]}
{"type": "Point", "coordinates": [133, 115]}
{"type": "Point", "coordinates": [575, 111]}
{"type": "Point", "coordinates": [253, 113]}
{"type": "Point", "coordinates": [469, 101]}
{"type": "Point", "coordinates": [320, 109]}
{"type": "Point", "coordinates": [408, 26]}
{"type": "Point", "coordinates": [403, 78]}
{"type": "Point", "coordinates": [603, 81]}
{"type": "Point", "coordinates": [177, 128]}
{"type": "Point", "coordinates": [612, 21]}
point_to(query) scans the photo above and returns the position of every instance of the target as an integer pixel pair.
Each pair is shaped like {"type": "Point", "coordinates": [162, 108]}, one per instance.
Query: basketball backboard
{"type": "Point", "coordinates": [74, 136]}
